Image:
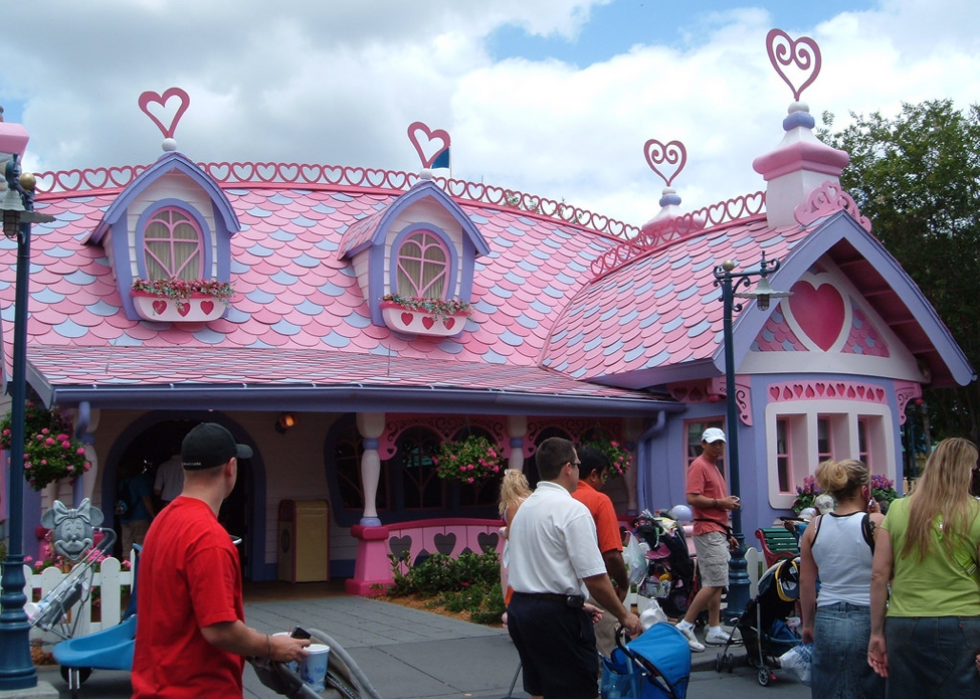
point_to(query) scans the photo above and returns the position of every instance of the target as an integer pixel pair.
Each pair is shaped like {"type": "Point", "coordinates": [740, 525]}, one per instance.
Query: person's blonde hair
{"type": "Point", "coordinates": [942, 491]}
{"type": "Point", "coordinates": [513, 488]}
{"type": "Point", "coordinates": [842, 479]}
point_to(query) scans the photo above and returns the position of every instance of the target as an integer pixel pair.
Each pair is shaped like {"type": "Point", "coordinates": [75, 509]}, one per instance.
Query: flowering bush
{"type": "Point", "coordinates": [883, 489]}
{"type": "Point", "coordinates": [50, 453]}
{"type": "Point", "coordinates": [439, 308]}
{"type": "Point", "coordinates": [620, 459]}
{"type": "Point", "coordinates": [468, 460]}
{"type": "Point", "coordinates": [806, 494]}
{"type": "Point", "coordinates": [180, 290]}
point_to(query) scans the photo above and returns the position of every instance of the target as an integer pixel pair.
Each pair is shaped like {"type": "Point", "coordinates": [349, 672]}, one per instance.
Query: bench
{"type": "Point", "coordinates": [777, 543]}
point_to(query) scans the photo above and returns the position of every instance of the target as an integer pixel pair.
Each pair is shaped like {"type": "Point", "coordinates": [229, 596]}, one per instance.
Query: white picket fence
{"type": "Point", "coordinates": [113, 582]}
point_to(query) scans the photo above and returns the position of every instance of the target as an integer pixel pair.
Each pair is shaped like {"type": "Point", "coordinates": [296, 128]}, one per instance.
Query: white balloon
{"type": "Point", "coordinates": [682, 513]}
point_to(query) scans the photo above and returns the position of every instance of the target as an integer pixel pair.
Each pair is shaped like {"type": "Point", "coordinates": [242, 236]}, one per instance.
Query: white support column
{"type": "Point", "coordinates": [370, 426]}
{"type": "Point", "coordinates": [516, 430]}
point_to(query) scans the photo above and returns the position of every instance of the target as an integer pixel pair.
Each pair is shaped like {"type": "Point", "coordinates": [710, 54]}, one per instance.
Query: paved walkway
{"type": "Point", "coordinates": [412, 654]}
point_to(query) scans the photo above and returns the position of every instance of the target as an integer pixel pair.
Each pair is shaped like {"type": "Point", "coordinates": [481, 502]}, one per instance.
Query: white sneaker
{"type": "Point", "coordinates": [715, 638]}
{"type": "Point", "coordinates": [692, 640]}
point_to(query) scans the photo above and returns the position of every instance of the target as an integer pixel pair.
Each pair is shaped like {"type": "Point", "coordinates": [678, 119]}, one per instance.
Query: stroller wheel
{"type": "Point", "coordinates": [765, 677]}
{"type": "Point", "coordinates": [83, 673]}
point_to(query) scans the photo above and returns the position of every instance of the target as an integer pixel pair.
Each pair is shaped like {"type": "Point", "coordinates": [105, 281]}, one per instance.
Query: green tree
{"type": "Point", "coordinates": [917, 177]}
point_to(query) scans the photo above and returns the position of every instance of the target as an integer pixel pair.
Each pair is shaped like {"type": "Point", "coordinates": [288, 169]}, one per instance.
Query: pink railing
{"type": "Point", "coordinates": [673, 230]}
{"type": "Point", "coordinates": [51, 184]}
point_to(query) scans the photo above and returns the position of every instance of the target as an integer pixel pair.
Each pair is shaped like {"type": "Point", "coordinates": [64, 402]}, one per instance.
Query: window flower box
{"type": "Point", "coordinates": [177, 301]}
{"type": "Point", "coordinates": [433, 317]}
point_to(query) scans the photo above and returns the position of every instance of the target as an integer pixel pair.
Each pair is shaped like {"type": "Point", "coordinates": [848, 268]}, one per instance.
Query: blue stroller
{"type": "Point", "coordinates": [658, 663]}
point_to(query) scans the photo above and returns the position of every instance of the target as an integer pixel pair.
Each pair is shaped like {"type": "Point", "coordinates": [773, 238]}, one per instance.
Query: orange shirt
{"type": "Point", "coordinates": [704, 478]}
{"type": "Point", "coordinates": [606, 523]}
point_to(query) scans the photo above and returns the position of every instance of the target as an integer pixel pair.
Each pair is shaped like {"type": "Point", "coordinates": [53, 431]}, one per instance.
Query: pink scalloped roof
{"type": "Point", "coordinates": [662, 309]}
{"type": "Point", "coordinates": [292, 290]}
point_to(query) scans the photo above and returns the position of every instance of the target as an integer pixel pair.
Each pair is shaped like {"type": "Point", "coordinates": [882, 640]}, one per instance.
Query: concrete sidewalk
{"type": "Point", "coordinates": [412, 654]}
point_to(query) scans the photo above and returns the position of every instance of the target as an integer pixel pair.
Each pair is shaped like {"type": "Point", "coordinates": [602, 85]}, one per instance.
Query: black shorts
{"type": "Point", "coordinates": [557, 648]}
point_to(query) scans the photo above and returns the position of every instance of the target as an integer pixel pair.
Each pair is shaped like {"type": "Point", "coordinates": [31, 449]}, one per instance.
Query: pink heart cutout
{"type": "Point", "coordinates": [819, 312]}
{"type": "Point", "coordinates": [149, 98]}
{"type": "Point", "coordinates": [413, 135]}
{"type": "Point", "coordinates": [428, 322]}
{"type": "Point", "coordinates": [673, 153]}
{"type": "Point", "coordinates": [207, 307]}
{"type": "Point", "coordinates": [803, 53]}
{"type": "Point", "coordinates": [407, 318]}
{"type": "Point", "coordinates": [449, 323]}
{"type": "Point", "coordinates": [183, 309]}
{"type": "Point", "coordinates": [159, 307]}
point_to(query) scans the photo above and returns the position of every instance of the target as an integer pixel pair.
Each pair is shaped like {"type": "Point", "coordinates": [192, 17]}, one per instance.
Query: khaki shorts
{"type": "Point", "coordinates": [713, 555]}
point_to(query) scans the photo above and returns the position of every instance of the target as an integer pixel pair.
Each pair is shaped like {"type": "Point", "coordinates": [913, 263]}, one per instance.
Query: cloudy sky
{"type": "Point", "coordinates": [552, 97]}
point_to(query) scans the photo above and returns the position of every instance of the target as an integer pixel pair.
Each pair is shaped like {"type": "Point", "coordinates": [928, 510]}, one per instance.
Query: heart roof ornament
{"type": "Point", "coordinates": [673, 153]}
{"type": "Point", "coordinates": [803, 53]}
{"type": "Point", "coordinates": [417, 127]}
{"type": "Point", "coordinates": [149, 98]}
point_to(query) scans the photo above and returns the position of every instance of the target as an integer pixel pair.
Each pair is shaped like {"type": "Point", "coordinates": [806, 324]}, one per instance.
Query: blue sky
{"type": "Point", "coordinates": [615, 27]}
{"type": "Point", "coordinates": [551, 97]}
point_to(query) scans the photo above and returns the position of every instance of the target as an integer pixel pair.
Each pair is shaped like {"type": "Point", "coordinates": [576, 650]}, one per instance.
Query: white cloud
{"type": "Point", "coordinates": [339, 82]}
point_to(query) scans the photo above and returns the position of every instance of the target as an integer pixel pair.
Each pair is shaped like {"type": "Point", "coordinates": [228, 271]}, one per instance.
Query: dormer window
{"type": "Point", "coordinates": [422, 269]}
{"type": "Point", "coordinates": [168, 238]}
{"type": "Point", "coordinates": [173, 246]}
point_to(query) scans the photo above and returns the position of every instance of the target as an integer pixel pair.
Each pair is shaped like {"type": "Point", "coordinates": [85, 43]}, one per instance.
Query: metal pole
{"type": "Point", "coordinates": [738, 577]}
{"type": "Point", "coordinates": [16, 667]}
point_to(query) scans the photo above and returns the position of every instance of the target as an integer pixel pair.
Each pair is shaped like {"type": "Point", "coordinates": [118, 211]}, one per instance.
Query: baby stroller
{"type": "Point", "coordinates": [671, 572]}
{"type": "Point", "coordinates": [344, 680]}
{"type": "Point", "coordinates": [763, 623]}
{"type": "Point", "coordinates": [659, 661]}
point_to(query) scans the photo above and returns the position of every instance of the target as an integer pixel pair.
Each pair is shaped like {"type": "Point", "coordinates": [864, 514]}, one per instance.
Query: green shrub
{"type": "Point", "coordinates": [470, 583]}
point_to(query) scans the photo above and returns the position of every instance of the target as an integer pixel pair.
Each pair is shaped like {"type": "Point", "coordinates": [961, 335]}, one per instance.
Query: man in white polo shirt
{"type": "Point", "coordinates": [555, 564]}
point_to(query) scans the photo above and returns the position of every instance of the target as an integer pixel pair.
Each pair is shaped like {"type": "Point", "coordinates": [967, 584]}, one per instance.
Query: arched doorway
{"type": "Point", "coordinates": [154, 438]}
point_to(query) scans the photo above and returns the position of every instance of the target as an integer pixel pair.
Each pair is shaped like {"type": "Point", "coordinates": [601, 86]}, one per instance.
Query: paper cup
{"type": "Point", "coordinates": [313, 668]}
{"type": "Point", "coordinates": [294, 666]}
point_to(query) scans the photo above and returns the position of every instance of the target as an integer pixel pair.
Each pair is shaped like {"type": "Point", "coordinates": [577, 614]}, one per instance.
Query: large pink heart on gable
{"type": "Point", "coordinates": [819, 312]}
{"type": "Point", "coordinates": [435, 142]}
{"type": "Point", "coordinates": [159, 104]}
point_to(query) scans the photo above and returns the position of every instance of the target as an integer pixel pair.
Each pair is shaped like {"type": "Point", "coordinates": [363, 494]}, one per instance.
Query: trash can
{"type": "Point", "coordinates": [304, 542]}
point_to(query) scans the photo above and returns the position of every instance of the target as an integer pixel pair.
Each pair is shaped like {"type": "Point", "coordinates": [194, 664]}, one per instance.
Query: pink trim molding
{"type": "Point", "coordinates": [815, 390]}
{"type": "Point", "coordinates": [829, 198]}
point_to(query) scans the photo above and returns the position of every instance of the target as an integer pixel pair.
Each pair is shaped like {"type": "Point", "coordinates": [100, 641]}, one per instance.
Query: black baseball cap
{"type": "Point", "coordinates": [209, 445]}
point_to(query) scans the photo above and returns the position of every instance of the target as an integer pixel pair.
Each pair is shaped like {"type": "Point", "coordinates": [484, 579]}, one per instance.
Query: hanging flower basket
{"type": "Point", "coordinates": [468, 461]}
{"type": "Point", "coordinates": [177, 300]}
{"type": "Point", "coordinates": [620, 459]}
{"type": "Point", "coordinates": [50, 453]}
{"type": "Point", "coordinates": [422, 316]}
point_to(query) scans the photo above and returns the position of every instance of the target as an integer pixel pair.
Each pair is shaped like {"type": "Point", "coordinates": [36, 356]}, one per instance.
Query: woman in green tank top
{"type": "Point", "coordinates": [928, 643]}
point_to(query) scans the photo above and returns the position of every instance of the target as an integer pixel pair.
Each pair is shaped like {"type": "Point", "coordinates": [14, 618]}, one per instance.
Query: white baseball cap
{"type": "Point", "coordinates": [713, 434]}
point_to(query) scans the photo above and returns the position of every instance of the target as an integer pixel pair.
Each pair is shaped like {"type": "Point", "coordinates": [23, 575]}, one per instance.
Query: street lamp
{"type": "Point", "coordinates": [730, 282]}
{"type": "Point", "coordinates": [16, 667]}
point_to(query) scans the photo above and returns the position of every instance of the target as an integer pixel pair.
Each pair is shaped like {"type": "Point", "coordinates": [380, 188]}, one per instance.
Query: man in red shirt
{"type": "Point", "coordinates": [191, 636]}
{"type": "Point", "coordinates": [707, 496]}
{"type": "Point", "coordinates": [592, 474]}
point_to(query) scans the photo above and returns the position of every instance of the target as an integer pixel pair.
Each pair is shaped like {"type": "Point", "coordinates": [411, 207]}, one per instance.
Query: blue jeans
{"type": "Point", "coordinates": [932, 657]}
{"type": "Point", "coordinates": [840, 654]}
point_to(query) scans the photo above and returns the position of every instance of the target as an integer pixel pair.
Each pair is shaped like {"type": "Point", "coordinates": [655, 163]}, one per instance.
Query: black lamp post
{"type": "Point", "coordinates": [730, 282]}
{"type": "Point", "coordinates": [16, 667]}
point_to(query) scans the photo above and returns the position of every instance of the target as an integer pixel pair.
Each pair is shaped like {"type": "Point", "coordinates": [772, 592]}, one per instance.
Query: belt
{"type": "Point", "coordinates": [573, 601]}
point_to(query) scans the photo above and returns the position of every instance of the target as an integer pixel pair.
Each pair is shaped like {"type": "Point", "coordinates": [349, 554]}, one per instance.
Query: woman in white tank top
{"type": "Point", "coordinates": [837, 548]}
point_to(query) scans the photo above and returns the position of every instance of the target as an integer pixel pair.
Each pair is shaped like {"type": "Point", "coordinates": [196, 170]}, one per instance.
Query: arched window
{"type": "Point", "coordinates": [422, 266]}
{"type": "Point", "coordinates": [417, 480]}
{"type": "Point", "coordinates": [173, 246]}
